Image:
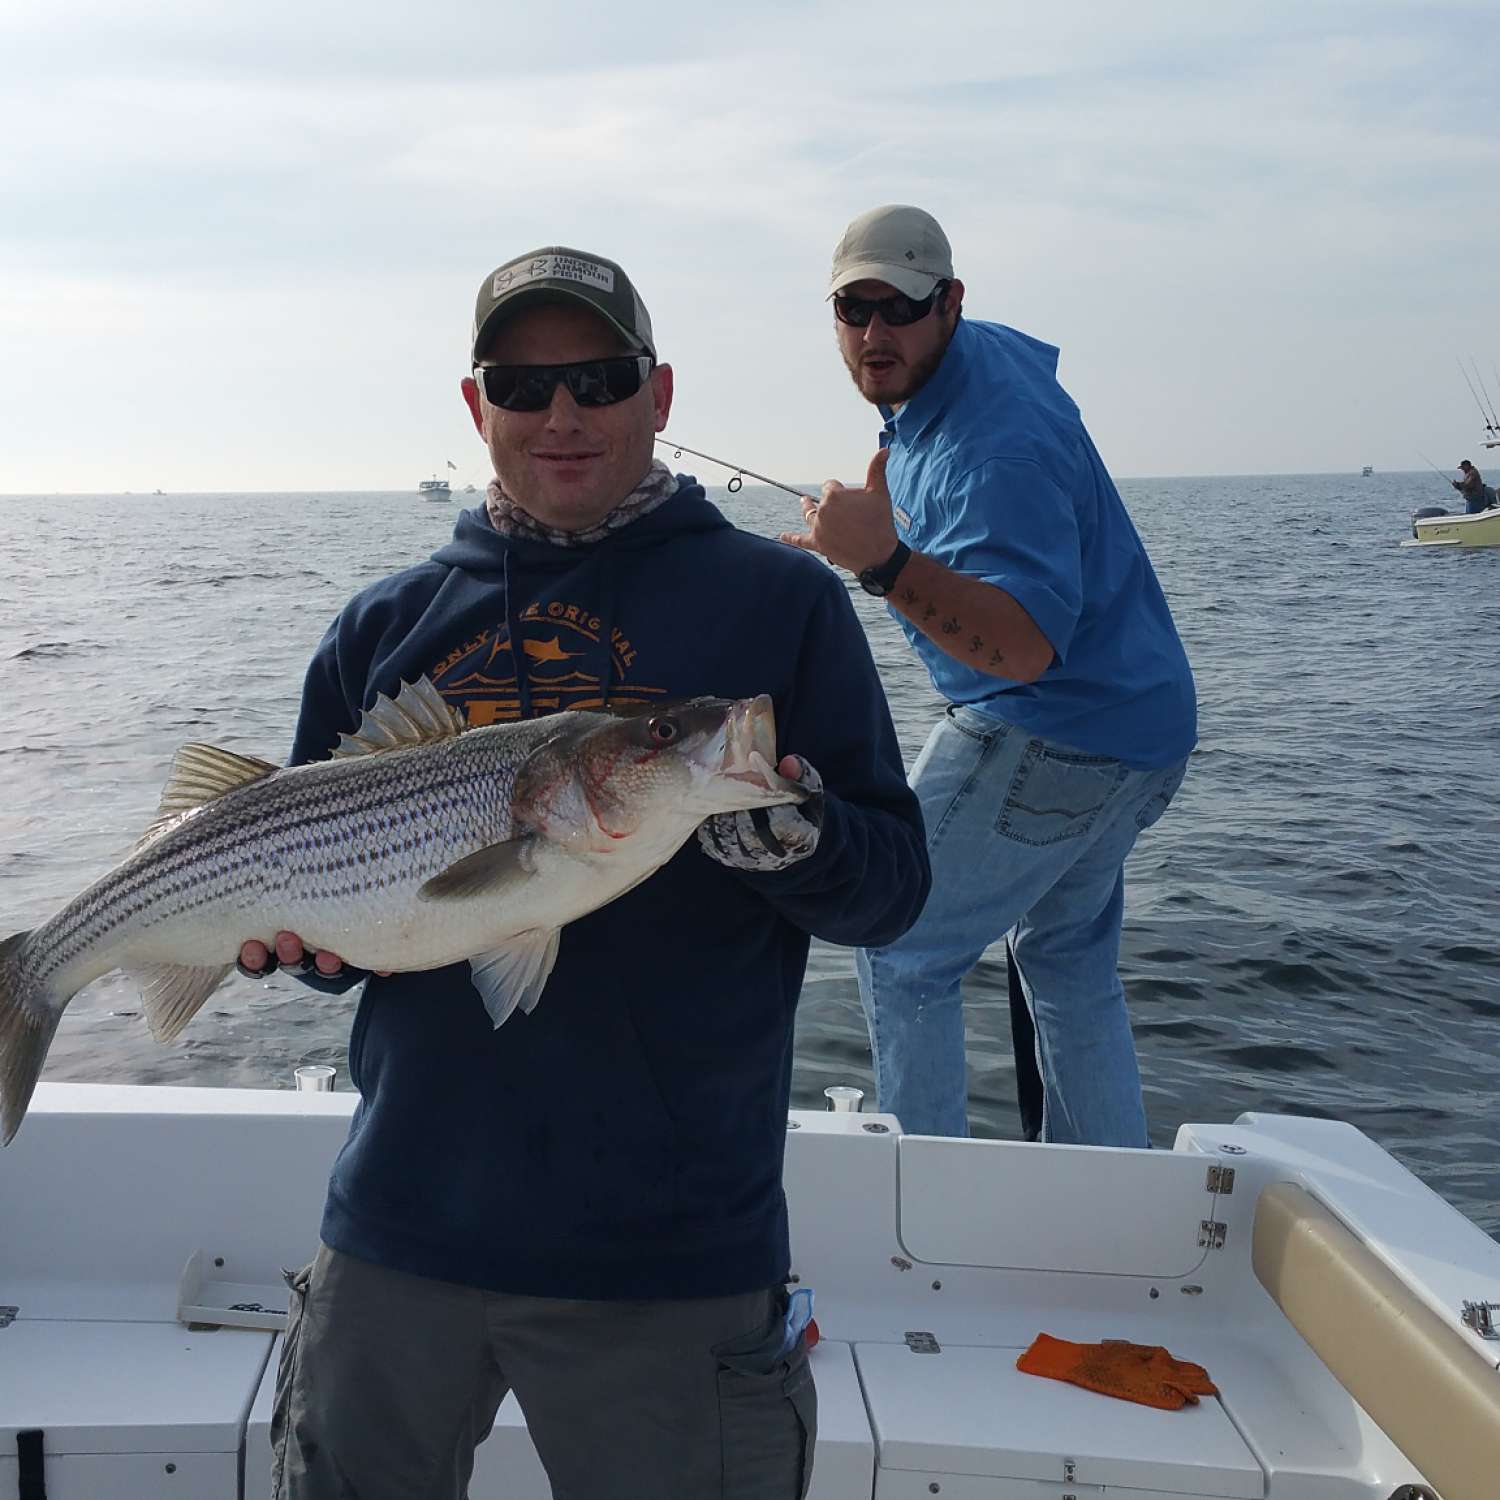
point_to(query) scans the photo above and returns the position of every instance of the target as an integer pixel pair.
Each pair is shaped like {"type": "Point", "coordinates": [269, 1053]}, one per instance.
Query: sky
{"type": "Point", "coordinates": [240, 242]}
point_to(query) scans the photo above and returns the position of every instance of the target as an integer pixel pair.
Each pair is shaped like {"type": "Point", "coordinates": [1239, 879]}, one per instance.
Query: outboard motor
{"type": "Point", "coordinates": [1422, 512]}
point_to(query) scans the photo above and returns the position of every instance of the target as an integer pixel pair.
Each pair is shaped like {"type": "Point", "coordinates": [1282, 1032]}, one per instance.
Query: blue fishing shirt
{"type": "Point", "coordinates": [992, 474]}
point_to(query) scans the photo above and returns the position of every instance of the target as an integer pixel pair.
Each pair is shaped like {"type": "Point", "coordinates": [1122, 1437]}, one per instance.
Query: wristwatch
{"type": "Point", "coordinates": [880, 578]}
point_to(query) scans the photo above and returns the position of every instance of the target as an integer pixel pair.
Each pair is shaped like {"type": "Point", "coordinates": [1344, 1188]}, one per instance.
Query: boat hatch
{"type": "Point", "coordinates": [1003, 1204]}
{"type": "Point", "coordinates": [969, 1411]}
{"type": "Point", "coordinates": [131, 1410]}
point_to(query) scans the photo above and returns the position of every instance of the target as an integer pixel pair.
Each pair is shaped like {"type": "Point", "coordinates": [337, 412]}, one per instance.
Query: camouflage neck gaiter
{"type": "Point", "coordinates": [509, 518]}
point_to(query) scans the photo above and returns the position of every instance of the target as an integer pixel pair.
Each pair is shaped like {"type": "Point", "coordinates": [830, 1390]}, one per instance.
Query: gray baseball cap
{"type": "Point", "coordinates": [558, 274]}
{"type": "Point", "coordinates": [900, 245]}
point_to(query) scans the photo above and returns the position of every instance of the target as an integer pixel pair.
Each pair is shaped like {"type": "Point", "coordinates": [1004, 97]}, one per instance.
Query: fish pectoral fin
{"type": "Point", "coordinates": [418, 715]}
{"type": "Point", "coordinates": [173, 993]}
{"type": "Point", "coordinates": [200, 774]}
{"type": "Point", "coordinates": [487, 872]}
{"type": "Point", "coordinates": [515, 975]}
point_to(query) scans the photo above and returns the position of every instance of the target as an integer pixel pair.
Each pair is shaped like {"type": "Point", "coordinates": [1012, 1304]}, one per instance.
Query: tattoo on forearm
{"type": "Point", "coordinates": [923, 611]}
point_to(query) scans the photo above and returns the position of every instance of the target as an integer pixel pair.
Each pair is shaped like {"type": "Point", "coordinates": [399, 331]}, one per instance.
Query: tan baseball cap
{"type": "Point", "coordinates": [900, 245]}
{"type": "Point", "coordinates": [558, 274]}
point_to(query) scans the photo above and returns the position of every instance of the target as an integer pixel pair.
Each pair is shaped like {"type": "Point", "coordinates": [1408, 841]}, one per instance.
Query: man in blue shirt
{"type": "Point", "coordinates": [990, 526]}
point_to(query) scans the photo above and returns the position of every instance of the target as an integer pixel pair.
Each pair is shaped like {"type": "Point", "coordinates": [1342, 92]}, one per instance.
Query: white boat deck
{"type": "Point", "coordinates": [934, 1263]}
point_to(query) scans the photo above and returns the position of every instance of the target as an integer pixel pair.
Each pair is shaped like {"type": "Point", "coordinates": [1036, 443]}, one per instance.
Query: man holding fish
{"type": "Point", "coordinates": [990, 526]}
{"type": "Point", "coordinates": [585, 1205]}
{"type": "Point", "coordinates": [526, 788]}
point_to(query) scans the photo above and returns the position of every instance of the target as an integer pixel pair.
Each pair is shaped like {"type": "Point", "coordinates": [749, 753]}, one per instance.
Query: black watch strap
{"type": "Point", "coordinates": [880, 578]}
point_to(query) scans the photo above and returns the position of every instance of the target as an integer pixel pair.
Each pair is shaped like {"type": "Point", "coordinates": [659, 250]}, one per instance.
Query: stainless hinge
{"type": "Point", "coordinates": [8, 1315]}
{"type": "Point", "coordinates": [923, 1343]}
{"type": "Point", "coordinates": [1070, 1471]}
{"type": "Point", "coordinates": [1221, 1180]}
{"type": "Point", "coordinates": [1211, 1234]}
{"type": "Point", "coordinates": [1476, 1315]}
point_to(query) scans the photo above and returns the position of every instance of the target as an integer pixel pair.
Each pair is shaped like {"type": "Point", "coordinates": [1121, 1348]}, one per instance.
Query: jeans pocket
{"type": "Point", "coordinates": [1057, 794]}
{"type": "Point", "coordinates": [768, 1414]}
{"type": "Point", "coordinates": [286, 1373]}
{"type": "Point", "coordinates": [971, 723]}
{"type": "Point", "coordinates": [1158, 802]}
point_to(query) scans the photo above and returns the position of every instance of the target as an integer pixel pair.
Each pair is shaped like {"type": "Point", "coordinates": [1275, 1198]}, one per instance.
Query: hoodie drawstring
{"type": "Point", "coordinates": [517, 646]}
{"type": "Point", "coordinates": [606, 595]}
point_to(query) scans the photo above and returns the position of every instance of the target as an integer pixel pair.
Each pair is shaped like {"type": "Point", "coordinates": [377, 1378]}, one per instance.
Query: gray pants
{"type": "Point", "coordinates": [388, 1381]}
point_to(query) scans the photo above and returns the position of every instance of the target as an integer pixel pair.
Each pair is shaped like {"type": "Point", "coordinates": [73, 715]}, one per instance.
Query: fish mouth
{"type": "Point", "coordinates": [750, 752]}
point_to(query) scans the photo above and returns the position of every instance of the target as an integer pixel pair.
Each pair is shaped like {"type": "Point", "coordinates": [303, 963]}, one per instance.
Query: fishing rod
{"type": "Point", "coordinates": [1434, 468]}
{"type": "Point", "coordinates": [1483, 387]}
{"type": "Point", "coordinates": [737, 482]}
{"type": "Point", "coordinates": [1484, 416]}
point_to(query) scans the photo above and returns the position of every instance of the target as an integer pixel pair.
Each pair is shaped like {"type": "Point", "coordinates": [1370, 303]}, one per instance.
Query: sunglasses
{"type": "Point", "coordinates": [895, 311]}
{"type": "Point", "coordinates": [590, 382]}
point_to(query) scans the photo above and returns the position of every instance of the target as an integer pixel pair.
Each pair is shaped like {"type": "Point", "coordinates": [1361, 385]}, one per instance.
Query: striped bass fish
{"type": "Point", "coordinates": [419, 843]}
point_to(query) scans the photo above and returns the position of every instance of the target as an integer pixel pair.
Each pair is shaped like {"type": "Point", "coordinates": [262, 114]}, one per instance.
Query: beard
{"type": "Point", "coordinates": [898, 385]}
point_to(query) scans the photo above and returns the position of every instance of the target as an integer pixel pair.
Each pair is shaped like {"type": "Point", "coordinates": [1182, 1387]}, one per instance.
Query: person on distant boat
{"type": "Point", "coordinates": [585, 1206]}
{"type": "Point", "coordinates": [1477, 494]}
{"type": "Point", "coordinates": [989, 525]}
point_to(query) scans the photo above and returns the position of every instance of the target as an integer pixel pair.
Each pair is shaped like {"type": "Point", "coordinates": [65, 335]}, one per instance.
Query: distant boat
{"type": "Point", "coordinates": [434, 489]}
{"type": "Point", "coordinates": [1366, 471]}
{"type": "Point", "coordinates": [469, 489]}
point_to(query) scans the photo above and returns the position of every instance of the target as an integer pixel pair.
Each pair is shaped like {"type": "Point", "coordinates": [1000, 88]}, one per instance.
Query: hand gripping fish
{"type": "Point", "coordinates": [418, 844]}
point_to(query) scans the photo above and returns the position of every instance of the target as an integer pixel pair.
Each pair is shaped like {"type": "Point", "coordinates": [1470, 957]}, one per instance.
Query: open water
{"type": "Point", "coordinates": [1314, 928]}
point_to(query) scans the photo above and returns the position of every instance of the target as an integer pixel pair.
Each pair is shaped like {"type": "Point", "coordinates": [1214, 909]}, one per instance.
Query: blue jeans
{"type": "Point", "coordinates": [1027, 838]}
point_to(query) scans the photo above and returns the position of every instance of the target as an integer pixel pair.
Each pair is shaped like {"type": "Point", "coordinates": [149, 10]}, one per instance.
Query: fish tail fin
{"type": "Point", "coordinates": [28, 1019]}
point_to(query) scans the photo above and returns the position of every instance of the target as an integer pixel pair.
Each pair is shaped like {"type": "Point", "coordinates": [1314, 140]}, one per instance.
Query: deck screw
{"type": "Point", "coordinates": [171, 1468]}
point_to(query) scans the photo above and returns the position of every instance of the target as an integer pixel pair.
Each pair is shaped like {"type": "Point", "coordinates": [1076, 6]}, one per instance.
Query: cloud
{"type": "Point", "coordinates": [1220, 214]}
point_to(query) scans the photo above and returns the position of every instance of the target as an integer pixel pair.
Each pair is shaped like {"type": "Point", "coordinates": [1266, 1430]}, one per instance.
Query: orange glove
{"type": "Point", "coordinates": [1134, 1372]}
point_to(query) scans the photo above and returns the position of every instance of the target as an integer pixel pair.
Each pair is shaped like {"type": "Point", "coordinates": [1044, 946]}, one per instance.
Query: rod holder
{"type": "Point", "coordinates": [315, 1078]}
{"type": "Point", "coordinates": [844, 1099]}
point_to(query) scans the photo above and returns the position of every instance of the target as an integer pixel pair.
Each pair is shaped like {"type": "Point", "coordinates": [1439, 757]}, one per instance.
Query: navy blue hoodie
{"type": "Point", "coordinates": [625, 1139]}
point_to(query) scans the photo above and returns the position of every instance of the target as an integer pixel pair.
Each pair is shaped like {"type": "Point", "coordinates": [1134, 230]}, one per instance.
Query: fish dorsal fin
{"type": "Point", "coordinates": [199, 774]}
{"type": "Point", "coordinates": [418, 715]}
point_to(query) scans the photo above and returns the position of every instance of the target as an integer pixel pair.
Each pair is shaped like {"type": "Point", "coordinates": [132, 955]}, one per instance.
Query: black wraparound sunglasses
{"type": "Point", "coordinates": [590, 382]}
{"type": "Point", "coordinates": [895, 311]}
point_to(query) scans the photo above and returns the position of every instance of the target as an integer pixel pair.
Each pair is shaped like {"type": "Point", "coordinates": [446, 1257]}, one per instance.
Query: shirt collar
{"type": "Point", "coordinates": [932, 400]}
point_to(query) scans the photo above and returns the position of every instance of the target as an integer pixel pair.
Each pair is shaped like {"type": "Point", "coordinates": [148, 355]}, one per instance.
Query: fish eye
{"type": "Point", "coordinates": [664, 729]}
